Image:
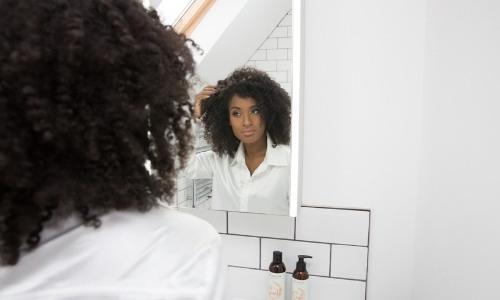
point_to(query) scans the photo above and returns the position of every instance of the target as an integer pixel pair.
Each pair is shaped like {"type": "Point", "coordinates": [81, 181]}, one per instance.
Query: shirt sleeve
{"type": "Point", "coordinates": [218, 271]}
{"type": "Point", "coordinates": [201, 165]}
{"type": "Point", "coordinates": [200, 270]}
{"type": "Point", "coordinates": [204, 270]}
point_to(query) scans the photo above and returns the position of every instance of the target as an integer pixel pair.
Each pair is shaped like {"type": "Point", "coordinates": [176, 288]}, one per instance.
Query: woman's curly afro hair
{"type": "Point", "coordinates": [90, 91]}
{"type": "Point", "coordinates": [273, 101]}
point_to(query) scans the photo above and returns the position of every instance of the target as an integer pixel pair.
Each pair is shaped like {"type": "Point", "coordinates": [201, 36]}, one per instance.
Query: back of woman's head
{"type": "Point", "coordinates": [89, 92]}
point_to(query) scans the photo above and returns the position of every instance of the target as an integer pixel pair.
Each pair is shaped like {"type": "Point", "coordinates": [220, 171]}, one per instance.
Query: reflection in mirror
{"type": "Point", "coordinates": [242, 160]}
{"type": "Point", "coordinates": [246, 121]}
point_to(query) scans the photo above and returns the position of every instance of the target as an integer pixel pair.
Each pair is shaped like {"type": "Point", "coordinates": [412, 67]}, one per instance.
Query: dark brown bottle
{"type": "Point", "coordinates": [300, 272]}
{"type": "Point", "coordinates": [277, 265]}
{"type": "Point", "coordinates": [300, 289]}
{"type": "Point", "coordinates": [276, 285]}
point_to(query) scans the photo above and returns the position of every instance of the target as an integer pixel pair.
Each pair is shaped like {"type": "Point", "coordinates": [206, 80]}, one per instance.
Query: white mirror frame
{"type": "Point", "coordinates": [296, 138]}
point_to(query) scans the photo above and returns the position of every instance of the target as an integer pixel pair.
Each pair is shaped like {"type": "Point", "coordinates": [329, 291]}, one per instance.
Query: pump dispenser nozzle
{"type": "Point", "coordinates": [301, 271]}
{"type": "Point", "coordinates": [277, 265]}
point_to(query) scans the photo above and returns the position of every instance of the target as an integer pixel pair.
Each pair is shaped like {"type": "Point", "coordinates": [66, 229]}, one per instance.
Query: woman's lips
{"type": "Point", "coordinates": [248, 133]}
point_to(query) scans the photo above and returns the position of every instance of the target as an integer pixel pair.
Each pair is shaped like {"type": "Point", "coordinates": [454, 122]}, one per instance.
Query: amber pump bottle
{"type": "Point", "coordinates": [300, 281]}
{"type": "Point", "coordinates": [276, 286]}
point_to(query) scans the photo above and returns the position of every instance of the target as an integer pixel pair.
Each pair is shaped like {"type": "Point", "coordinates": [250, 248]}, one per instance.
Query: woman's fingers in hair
{"type": "Point", "coordinates": [205, 93]}
{"type": "Point", "coordinates": [208, 90]}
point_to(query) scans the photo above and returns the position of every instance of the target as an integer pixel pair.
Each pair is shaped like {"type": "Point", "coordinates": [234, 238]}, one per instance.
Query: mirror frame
{"type": "Point", "coordinates": [297, 113]}
{"type": "Point", "coordinates": [297, 110]}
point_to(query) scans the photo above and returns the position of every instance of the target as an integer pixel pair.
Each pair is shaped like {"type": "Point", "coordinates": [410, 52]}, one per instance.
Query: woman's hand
{"type": "Point", "coordinates": [207, 91]}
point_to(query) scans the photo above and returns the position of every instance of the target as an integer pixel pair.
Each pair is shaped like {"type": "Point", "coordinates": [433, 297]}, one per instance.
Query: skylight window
{"type": "Point", "coordinates": [183, 15]}
{"type": "Point", "coordinates": [171, 11]}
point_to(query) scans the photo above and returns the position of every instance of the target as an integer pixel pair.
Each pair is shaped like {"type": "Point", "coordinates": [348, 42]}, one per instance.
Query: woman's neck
{"type": "Point", "coordinates": [257, 149]}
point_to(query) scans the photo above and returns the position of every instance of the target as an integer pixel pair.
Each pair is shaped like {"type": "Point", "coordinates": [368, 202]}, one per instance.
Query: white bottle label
{"type": "Point", "coordinates": [299, 289]}
{"type": "Point", "coordinates": [276, 288]}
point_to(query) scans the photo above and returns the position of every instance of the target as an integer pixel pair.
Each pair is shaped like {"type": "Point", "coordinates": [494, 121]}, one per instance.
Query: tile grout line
{"type": "Point", "coordinates": [330, 266]}
{"type": "Point", "coordinates": [227, 222]}
{"type": "Point", "coordinates": [260, 253]}
{"type": "Point", "coordinates": [368, 252]}
{"type": "Point", "coordinates": [295, 228]}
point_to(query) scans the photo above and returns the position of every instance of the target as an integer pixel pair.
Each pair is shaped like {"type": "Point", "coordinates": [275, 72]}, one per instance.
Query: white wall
{"type": "Point", "coordinates": [363, 63]}
{"type": "Point", "coordinates": [458, 225]}
{"type": "Point", "coordinates": [274, 55]}
{"type": "Point", "coordinates": [402, 116]}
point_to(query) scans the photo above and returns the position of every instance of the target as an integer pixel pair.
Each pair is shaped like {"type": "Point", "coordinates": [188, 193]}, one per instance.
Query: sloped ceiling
{"type": "Point", "coordinates": [231, 31]}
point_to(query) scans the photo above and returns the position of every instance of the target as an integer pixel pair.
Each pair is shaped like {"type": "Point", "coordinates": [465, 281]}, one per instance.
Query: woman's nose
{"type": "Point", "coordinates": [247, 120]}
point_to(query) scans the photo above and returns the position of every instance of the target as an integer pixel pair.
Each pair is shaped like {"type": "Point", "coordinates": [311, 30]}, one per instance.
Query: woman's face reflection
{"type": "Point", "coordinates": [246, 120]}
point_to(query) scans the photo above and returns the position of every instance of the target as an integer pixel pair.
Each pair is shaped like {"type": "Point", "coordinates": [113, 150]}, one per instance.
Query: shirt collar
{"type": "Point", "coordinates": [276, 155]}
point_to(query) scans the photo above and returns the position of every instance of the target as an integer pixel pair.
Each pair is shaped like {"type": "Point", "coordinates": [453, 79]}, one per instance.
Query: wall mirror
{"type": "Point", "coordinates": [234, 34]}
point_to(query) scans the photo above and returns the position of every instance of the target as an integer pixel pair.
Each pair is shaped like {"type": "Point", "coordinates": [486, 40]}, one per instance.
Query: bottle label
{"type": "Point", "coordinates": [276, 288]}
{"type": "Point", "coordinates": [299, 289]}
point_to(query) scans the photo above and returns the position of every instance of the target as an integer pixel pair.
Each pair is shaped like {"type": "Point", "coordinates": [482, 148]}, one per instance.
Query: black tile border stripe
{"type": "Point", "coordinates": [227, 222]}
{"type": "Point", "coordinates": [319, 276]}
{"type": "Point", "coordinates": [260, 253]}
{"type": "Point", "coordinates": [337, 208]}
{"type": "Point", "coordinates": [306, 206]}
{"type": "Point", "coordinates": [294, 240]}
{"type": "Point", "coordinates": [368, 252]}
{"type": "Point", "coordinates": [295, 228]}
{"type": "Point", "coordinates": [330, 266]}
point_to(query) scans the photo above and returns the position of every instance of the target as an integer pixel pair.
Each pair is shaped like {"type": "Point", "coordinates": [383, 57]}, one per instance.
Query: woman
{"type": "Point", "coordinates": [246, 118]}
{"type": "Point", "coordinates": [90, 92]}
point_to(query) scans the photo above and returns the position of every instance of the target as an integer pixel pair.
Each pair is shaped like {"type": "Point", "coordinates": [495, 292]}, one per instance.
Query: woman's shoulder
{"type": "Point", "coordinates": [152, 244]}
{"type": "Point", "coordinates": [170, 220]}
{"type": "Point", "coordinates": [278, 155]}
{"type": "Point", "coordinates": [283, 148]}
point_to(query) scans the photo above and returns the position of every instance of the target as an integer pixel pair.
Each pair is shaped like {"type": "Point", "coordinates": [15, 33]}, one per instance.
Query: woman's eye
{"type": "Point", "coordinates": [256, 111]}
{"type": "Point", "coordinates": [236, 113]}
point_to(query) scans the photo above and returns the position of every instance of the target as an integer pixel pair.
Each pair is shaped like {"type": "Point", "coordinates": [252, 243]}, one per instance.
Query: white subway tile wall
{"type": "Point", "coordinates": [270, 43]}
{"type": "Point", "coordinates": [349, 261]}
{"type": "Point", "coordinates": [266, 65]}
{"type": "Point", "coordinates": [250, 284]}
{"type": "Point", "coordinates": [279, 76]}
{"type": "Point", "coordinates": [259, 55]}
{"type": "Point", "coordinates": [274, 54]}
{"type": "Point", "coordinates": [246, 284]}
{"type": "Point", "coordinates": [242, 251]}
{"type": "Point", "coordinates": [285, 42]}
{"type": "Point", "coordinates": [217, 218]}
{"type": "Point", "coordinates": [284, 65]}
{"type": "Point", "coordinates": [340, 226]}
{"type": "Point", "coordinates": [261, 225]}
{"type": "Point", "coordinates": [277, 54]}
{"type": "Point", "coordinates": [279, 32]}
{"type": "Point", "coordinates": [338, 270]}
{"type": "Point", "coordinates": [321, 288]}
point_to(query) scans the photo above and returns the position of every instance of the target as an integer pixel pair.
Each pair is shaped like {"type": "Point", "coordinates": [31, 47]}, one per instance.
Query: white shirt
{"type": "Point", "coordinates": [235, 189]}
{"type": "Point", "coordinates": [161, 254]}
